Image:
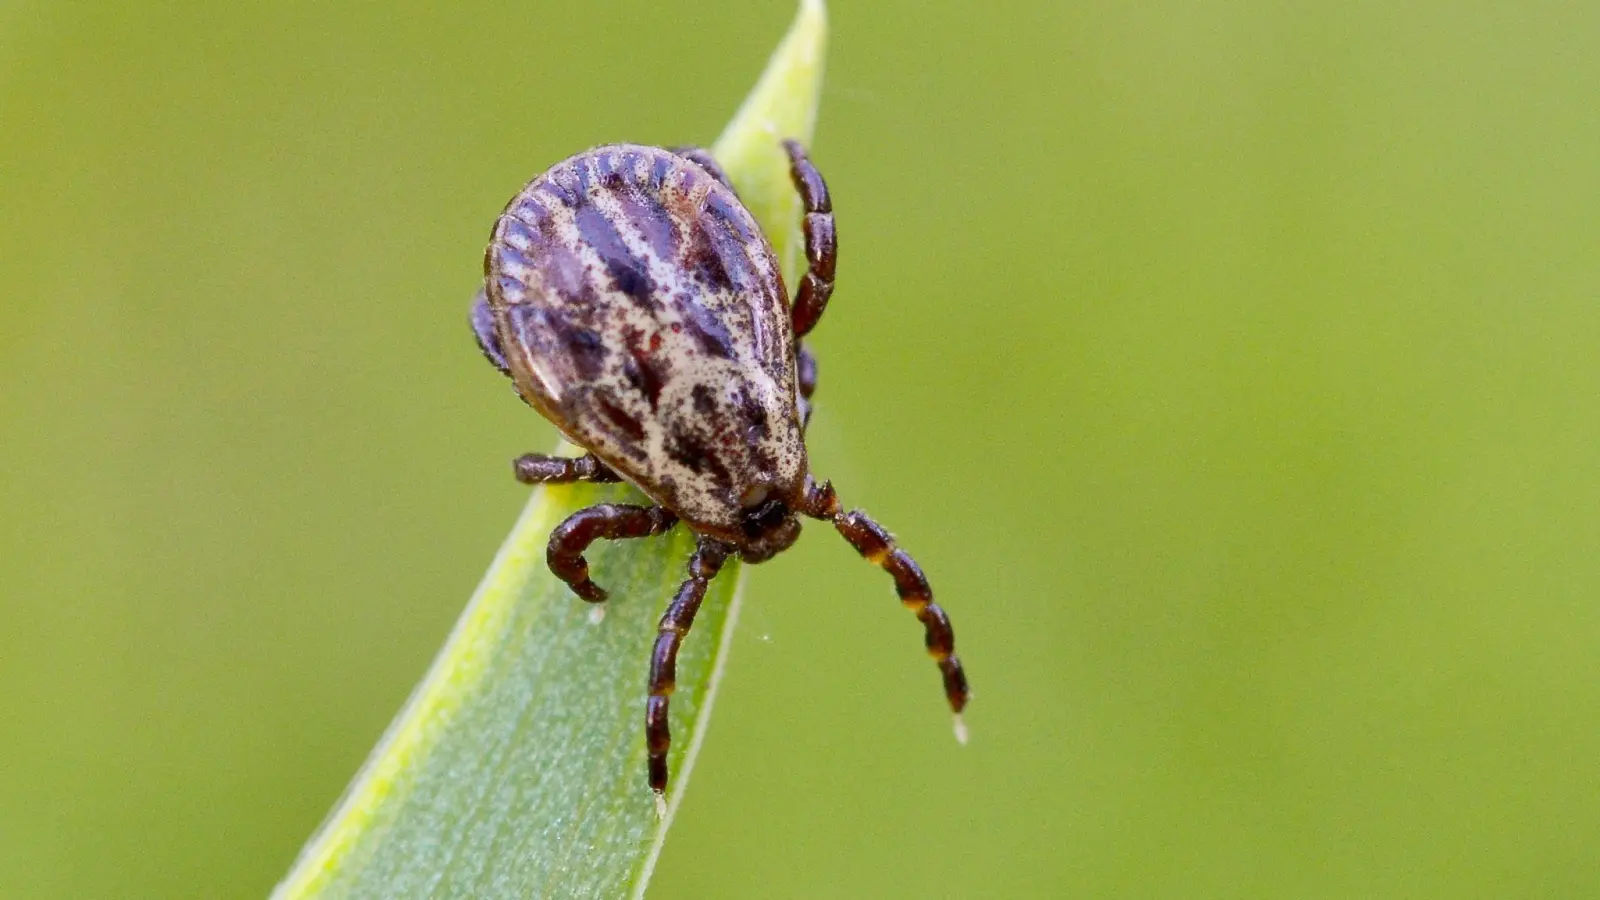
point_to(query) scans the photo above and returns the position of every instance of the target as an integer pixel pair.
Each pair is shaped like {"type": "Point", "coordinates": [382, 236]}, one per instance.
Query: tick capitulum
{"type": "Point", "coordinates": [636, 304]}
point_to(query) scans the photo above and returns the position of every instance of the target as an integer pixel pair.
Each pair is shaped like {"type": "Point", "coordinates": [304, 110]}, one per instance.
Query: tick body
{"type": "Point", "coordinates": [636, 304]}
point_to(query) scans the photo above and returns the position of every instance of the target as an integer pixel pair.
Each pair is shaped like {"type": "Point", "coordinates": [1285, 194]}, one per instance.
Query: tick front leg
{"type": "Point", "coordinates": [702, 157]}
{"type": "Point", "coordinates": [877, 545]}
{"type": "Point", "coordinates": [610, 521]}
{"type": "Point", "coordinates": [537, 468]}
{"type": "Point", "coordinates": [822, 244]}
{"type": "Point", "coordinates": [675, 624]}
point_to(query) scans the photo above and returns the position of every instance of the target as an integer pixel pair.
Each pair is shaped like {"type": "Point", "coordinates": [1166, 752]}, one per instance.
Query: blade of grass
{"type": "Point", "coordinates": [516, 768]}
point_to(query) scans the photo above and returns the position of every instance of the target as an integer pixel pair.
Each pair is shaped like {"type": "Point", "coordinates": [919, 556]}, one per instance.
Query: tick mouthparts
{"type": "Point", "coordinates": [764, 515]}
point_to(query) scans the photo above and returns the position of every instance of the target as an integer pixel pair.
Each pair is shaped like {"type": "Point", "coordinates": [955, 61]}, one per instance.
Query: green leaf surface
{"type": "Point", "coordinates": [517, 767]}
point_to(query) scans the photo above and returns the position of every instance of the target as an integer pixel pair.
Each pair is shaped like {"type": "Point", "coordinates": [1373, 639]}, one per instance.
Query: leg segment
{"type": "Point", "coordinates": [611, 521]}
{"type": "Point", "coordinates": [822, 244]}
{"type": "Point", "coordinates": [537, 468]}
{"type": "Point", "coordinates": [701, 157]}
{"type": "Point", "coordinates": [703, 566]}
{"type": "Point", "coordinates": [483, 328]}
{"type": "Point", "coordinates": [877, 545]}
{"type": "Point", "coordinates": [807, 374]}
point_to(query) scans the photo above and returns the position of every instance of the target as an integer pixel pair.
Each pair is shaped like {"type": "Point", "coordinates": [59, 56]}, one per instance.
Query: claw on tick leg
{"type": "Point", "coordinates": [661, 805]}
{"type": "Point", "coordinates": [960, 727]}
{"type": "Point", "coordinates": [597, 614]}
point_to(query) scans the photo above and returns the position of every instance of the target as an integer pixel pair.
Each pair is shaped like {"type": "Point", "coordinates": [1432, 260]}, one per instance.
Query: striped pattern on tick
{"type": "Point", "coordinates": [647, 317]}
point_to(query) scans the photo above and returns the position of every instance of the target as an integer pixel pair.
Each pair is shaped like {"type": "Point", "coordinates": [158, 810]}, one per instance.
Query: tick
{"type": "Point", "coordinates": [634, 302]}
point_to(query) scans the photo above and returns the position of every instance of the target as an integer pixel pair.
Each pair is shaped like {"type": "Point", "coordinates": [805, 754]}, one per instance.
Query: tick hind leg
{"type": "Point", "coordinates": [483, 328]}
{"type": "Point", "coordinates": [610, 521]}
{"type": "Point", "coordinates": [877, 545]}
{"type": "Point", "coordinates": [807, 373]}
{"type": "Point", "coordinates": [822, 243]}
{"type": "Point", "coordinates": [704, 565]}
{"type": "Point", "coordinates": [702, 157]}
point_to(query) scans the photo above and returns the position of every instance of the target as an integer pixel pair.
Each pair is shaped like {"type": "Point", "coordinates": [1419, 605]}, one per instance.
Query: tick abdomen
{"type": "Point", "coordinates": [641, 308]}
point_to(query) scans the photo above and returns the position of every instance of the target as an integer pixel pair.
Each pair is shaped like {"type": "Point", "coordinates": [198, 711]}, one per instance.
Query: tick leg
{"type": "Point", "coordinates": [822, 244]}
{"type": "Point", "coordinates": [483, 327]}
{"type": "Point", "coordinates": [877, 545]}
{"type": "Point", "coordinates": [807, 371]}
{"type": "Point", "coordinates": [537, 468]}
{"type": "Point", "coordinates": [701, 157]}
{"type": "Point", "coordinates": [675, 623]}
{"type": "Point", "coordinates": [611, 521]}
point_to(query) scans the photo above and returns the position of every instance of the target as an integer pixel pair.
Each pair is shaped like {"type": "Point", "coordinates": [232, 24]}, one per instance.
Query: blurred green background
{"type": "Point", "coordinates": [1231, 368]}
